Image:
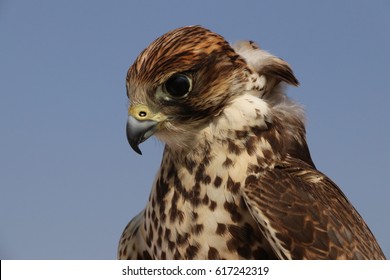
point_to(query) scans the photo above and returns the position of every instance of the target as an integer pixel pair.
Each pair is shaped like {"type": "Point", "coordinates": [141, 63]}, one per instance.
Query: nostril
{"type": "Point", "coordinates": [142, 114]}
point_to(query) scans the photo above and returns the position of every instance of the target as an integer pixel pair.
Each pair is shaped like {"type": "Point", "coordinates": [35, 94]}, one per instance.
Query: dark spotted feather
{"type": "Point", "coordinates": [305, 215]}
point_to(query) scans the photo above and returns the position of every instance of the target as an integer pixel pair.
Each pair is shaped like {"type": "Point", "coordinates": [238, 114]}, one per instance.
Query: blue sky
{"type": "Point", "coordinates": [69, 181]}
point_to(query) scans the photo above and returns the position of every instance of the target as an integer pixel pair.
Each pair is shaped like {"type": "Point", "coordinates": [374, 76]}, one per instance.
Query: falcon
{"type": "Point", "coordinates": [236, 179]}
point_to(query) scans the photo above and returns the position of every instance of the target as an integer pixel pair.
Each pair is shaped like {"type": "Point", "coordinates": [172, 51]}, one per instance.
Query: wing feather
{"type": "Point", "coordinates": [304, 215]}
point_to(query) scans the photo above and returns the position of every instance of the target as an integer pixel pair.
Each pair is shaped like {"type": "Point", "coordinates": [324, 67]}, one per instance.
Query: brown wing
{"type": "Point", "coordinates": [304, 215]}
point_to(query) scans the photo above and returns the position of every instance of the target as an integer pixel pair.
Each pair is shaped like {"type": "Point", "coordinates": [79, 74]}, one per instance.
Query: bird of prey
{"type": "Point", "coordinates": [236, 179]}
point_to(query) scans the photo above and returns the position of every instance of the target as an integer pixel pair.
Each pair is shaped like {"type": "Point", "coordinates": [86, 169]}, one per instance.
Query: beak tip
{"type": "Point", "coordinates": [136, 149]}
{"type": "Point", "coordinates": [134, 144]}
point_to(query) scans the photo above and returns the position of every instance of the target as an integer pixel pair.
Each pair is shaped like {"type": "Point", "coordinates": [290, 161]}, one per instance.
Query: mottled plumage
{"type": "Point", "coordinates": [236, 180]}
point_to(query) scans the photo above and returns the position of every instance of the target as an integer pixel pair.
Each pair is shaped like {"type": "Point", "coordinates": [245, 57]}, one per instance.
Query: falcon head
{"type": "Point", "coordinates": [183, 81]}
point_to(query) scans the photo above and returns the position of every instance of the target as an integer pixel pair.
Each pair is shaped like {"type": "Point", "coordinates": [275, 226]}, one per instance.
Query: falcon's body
{"type": "Point", "coordinates": [236, 179]}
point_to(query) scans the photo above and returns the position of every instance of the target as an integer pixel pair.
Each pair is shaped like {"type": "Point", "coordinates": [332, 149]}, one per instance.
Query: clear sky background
{"type": "Point", "coordinates": [69, 182]}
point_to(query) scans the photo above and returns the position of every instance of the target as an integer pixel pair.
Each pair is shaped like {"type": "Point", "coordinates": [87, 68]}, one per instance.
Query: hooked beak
{"type": "Point", "coordinates": [138, 131]}
{"type": "Point", "coordinates": [141, 124]}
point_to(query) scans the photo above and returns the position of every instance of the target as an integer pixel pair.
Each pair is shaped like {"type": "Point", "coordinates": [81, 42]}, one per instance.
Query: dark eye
{"type": "Point", "coordinates": [178, 85]}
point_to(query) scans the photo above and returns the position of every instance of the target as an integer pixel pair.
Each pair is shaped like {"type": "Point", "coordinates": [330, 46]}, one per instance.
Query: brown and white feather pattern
{"type": "Point", "coordinates": [236, 180]}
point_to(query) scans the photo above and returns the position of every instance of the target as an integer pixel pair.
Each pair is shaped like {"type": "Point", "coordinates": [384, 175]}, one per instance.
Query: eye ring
{"type": "Point", "coordinates": [178, 85]}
